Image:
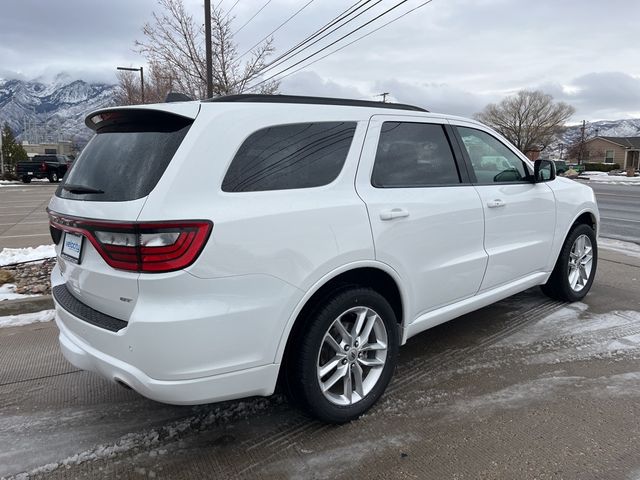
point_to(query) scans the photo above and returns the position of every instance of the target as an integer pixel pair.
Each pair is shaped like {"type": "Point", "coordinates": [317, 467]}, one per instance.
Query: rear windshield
{"type": "Point", "coordinates": [126, 158]}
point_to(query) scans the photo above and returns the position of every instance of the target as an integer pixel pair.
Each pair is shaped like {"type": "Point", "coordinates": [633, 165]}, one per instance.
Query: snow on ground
{"type": "Point", "coordinates": [27, 318]}
{"type": "Point", "coordinates": [603, 177]}
{"type": "Point", "coordinates": [17, 255]}
{"type": "Point", "coordinates": [628, 248]}
{"type": "Point", "coordinates": [8, 292]}
{"type": "Point", "coordinates": [571, 321]}
{"type": "Point", "coordinates": [155, 438]}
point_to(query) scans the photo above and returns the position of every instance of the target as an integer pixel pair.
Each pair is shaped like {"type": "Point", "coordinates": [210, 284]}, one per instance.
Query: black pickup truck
{"type": "Point", "coordinates": [52, 167]}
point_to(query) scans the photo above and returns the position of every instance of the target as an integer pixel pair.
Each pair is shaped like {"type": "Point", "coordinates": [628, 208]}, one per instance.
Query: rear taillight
{"type": "Point", "coordinates": [150, 247]}
{"type": "Point", "coordinates": [43, 167]}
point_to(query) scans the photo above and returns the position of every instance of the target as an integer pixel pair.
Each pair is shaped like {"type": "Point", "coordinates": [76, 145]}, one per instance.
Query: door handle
{"type": "Point", "coordinates": [496, 203]}
{"type": "Point", "coordinates": [392, 213]}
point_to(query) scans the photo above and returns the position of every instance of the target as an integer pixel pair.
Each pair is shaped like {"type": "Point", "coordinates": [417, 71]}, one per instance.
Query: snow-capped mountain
{"type": "Point", "coordinates": [51, 109]}
{"type": "Point", "coordinates": [604, 128]}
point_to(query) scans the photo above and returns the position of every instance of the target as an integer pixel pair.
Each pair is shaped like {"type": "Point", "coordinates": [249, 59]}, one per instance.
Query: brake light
{"type": "Point", "coordinates": [149, 247]}
{"type": "Point", "coordinates": [43, 167]}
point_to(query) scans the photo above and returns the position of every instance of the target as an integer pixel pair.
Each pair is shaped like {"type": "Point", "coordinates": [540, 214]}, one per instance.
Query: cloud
{"type": "Point", "coordinates": [310, 83]}
{"type": "Point", "coordinates": [599, 95]}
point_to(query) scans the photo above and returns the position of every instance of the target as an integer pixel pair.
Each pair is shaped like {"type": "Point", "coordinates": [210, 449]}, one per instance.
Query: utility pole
{"type": "Point", "coordinates": [384, 96]}
{"type": "Point", "coordinates": [207, 44]}
{"type": "Point", "coordinates": [561, 150]}
{"type": "Point", "coordinates": [580, 151]}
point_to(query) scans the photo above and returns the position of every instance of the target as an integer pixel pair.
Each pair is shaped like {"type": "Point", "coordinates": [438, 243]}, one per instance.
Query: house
{"type": "Point", "coordinates": [625, 151]}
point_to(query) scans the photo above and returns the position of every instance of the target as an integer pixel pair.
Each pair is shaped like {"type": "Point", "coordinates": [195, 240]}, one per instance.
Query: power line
{"type": "Point", "coordinates": [278, 27]}
{"type": "Point", "coordinates": [342, 38]}
{"type": "Point", "coordinates": [344, 46]}
{"type": "Point", "coordinates": [254, 16]}
{"type": "Point", "coordinates": [229, 11]}
{"type": "Point", "coordinates": [329, 24]}
{"type": "Point", "coordinates": [297, 49]}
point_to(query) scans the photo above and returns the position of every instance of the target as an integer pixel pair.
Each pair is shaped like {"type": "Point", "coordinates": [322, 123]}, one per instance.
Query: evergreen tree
{"type": "Point", "coordinates": [12, 151]}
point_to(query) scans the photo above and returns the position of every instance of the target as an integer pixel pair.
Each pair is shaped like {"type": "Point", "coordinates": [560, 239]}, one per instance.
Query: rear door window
{"type": "Point", "coordinates": [283, 157]}
{"type": "Point", "coordinates": [413, 155]}
{"type": "Point", "coordinates": [127, 156]}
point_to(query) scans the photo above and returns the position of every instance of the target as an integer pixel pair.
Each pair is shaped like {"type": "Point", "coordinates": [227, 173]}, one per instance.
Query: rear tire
{"type": "Point", "coordinates": [26, 179]}
{"type": "Point", "coordinates": [351, 340]}
{"type": "Point", "coordinates": [575, 269]}
{"type": "Point", "coordinates": [53, 177]}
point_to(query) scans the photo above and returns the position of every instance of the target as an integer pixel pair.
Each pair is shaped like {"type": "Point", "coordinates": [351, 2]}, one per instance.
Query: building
{"type": "Point", "coordinates": [58, 148]}
{"type": "Point", "coordinates": [625, 151]}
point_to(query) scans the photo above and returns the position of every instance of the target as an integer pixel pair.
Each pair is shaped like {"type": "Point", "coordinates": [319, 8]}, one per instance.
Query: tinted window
{"type": "Point", "coordinates": [300, 155]}
{"type": "Point", "coordinates": [491, 160]}
{"type": "Point", "coordinates": [127, 157]}
{"type": "Point", "coordinates": [413, 155]}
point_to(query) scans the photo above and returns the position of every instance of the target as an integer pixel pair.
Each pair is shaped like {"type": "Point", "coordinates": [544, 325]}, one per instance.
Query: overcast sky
{"type": "Point", "coordinates": [452, 56]}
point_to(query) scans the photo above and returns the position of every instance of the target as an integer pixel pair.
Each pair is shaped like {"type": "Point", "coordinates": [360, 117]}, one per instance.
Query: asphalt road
{"type": "Point", "coordinates": [619, 211]}
{"type": "Point", "coordinates": [23, 219]}
{"type": "Point", "coordinates": [527, 388]}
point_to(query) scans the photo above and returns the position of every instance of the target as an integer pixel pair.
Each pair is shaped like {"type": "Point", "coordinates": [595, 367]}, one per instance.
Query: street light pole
{"type": "Point", "coordinates": [207, 44]}
{"type": "Point", "coordinates": [141, 70]}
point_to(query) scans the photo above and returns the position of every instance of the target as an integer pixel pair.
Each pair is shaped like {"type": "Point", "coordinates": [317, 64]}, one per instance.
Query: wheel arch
{"type": "Point", "coordinates": [376, 275]}
{"type": "Point", "coordinates": [586, 216]}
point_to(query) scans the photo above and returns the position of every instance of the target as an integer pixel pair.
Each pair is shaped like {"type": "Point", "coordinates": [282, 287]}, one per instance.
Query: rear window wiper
{"type": "Point", "coordinates": [80, 189]}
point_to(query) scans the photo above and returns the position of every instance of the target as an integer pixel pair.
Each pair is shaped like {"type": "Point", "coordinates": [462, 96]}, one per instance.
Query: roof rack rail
{"type": "Point", "coordinates": [256, 98]}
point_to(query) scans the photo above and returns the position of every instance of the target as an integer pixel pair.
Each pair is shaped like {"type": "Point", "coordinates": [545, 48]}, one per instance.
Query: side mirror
{"type": "Point", "coordinates": [544, 171]}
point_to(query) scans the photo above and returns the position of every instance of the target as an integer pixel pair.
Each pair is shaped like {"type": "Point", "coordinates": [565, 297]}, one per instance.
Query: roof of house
{"type": "Point", "coordinates": [627, 142]}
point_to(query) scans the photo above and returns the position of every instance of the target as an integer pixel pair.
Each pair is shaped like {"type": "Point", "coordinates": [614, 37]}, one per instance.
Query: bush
{"type": "Point", "coordinates": [601, 167]}
{"type": "Point", "coordinates": [8, 176]}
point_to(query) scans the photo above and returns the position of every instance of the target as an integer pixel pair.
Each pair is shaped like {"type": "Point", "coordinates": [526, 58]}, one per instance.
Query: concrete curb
{"type": "Point", "coordinates": [25, 305]}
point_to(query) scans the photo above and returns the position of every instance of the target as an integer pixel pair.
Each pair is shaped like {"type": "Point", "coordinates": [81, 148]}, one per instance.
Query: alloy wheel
{"type": "Point", "coordinates": [580, 263]}
{"type": "Point", "coordinates": [352, 356]}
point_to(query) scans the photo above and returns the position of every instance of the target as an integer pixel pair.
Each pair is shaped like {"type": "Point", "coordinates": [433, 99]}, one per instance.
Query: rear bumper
{"type": "Point", "coordinates": [187, 340]}
{"type": "Point", "coordinates": [238, 384]}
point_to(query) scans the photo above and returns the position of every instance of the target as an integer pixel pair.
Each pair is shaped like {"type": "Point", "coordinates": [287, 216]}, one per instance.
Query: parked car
{"type": "Point", "coordinates": [561, 166]}
{"type": "Point", "coordinates": [318, 236]}
{"type": "Point", "coordinates": [577, 167]}
{"type": "Point", "coordinates": [52, 167]}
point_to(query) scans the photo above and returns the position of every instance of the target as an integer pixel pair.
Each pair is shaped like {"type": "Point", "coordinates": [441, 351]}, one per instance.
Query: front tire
{"type": "Point", "coordinates": [346, 356]}
{"type": "Point", "coordinates": [575, 269]}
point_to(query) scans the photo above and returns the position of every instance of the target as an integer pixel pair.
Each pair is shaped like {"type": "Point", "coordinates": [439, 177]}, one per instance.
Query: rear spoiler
{"type": "Point", "coordinates": [111, 115]}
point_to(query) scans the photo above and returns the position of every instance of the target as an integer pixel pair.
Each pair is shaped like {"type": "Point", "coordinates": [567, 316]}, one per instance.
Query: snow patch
{"type": "Point", "coordinates": [27, 318]}
{"type": "Point", "coordinates": [628, 248]}
{"type": "Point", "coordinates": [612, 179]}
{"type": "Point", "coordinates": [221, 413]}
{"type": "Point", "coordinates": [9, 256]}
{"type": "Point", "coordinates": [521, 393]}
{"type": "Point", "coordinates": [8, 292]}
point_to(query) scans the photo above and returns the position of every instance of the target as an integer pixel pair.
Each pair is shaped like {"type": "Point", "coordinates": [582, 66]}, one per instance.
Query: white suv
{"type": "Point", "coordinates": [208, 249]}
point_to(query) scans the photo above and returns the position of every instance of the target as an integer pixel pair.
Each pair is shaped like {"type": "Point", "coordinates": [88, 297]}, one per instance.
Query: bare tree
{"type": "Point", "coordinates": [174, 43]}
{"type": "Point", "coordinates": [528, 119]}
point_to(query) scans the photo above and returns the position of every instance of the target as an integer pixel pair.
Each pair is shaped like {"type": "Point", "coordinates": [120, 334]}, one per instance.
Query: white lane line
{"type": "Point", "coordinates": [23, 223]}
{"type": "Point", "coordinates": [620, 219]}
{"type": "Point", "coordinates": [616, 195]}
{"type": "Point", "coordinates": [30, 235]}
